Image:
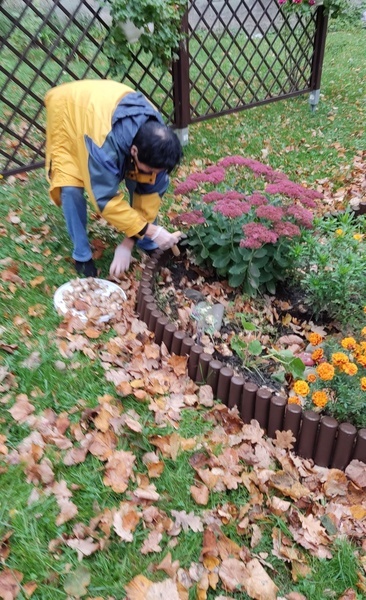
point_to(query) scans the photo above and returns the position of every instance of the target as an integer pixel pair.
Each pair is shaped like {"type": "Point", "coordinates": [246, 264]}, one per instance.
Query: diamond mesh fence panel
{"type": "Point", "coordinates": [240, 53]}
{"type": "Point", "coordinates": [245, 52]}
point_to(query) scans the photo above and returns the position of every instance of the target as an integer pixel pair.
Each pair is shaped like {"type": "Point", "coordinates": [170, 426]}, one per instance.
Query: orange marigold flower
{"type": "Point", "coordinates": [350, 368]}
{"type": "Point", "coordinates": [363, 383]}
{"type": "Point", "coordinates": [311, 378]}
{"type": "Point", "coordinates": [294, 400]}
{"type": "Point", "coordinates": [349, 343]}
{"type": "Point", "coordinates": [361, 359]}
{"type": "Point", "coordinates": [301, 387]}
{"type": "Point", "coordinates": [363, 331]}
{"type": "Point", "coordinates": [325, 371]}
{"type": "Point", "coordinates": [358, 236]}
{"type": "Point", "coordinates": [320, 399]}
{"type": "Point", "coordinates": [361, 347]}
{"type": "Point", "coordinates": [339, 359]}
{"type": "Point", "coordinates": [317, 354]}
{"type": "Point", "coordinates": [315, 339]}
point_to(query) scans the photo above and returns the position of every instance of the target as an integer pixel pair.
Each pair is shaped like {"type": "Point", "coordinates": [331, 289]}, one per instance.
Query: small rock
{"type": "Point", "coordinates": [193, 295]}
{"type": "Point", "coordinates": [306, 359]}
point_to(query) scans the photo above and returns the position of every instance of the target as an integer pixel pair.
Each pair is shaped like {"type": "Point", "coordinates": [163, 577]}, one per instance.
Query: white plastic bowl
{"type": "Point", "coordinates": [106, 288]}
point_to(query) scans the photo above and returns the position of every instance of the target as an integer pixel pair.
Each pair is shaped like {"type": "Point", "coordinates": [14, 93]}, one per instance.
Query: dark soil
{"type": "Point", "coordinates": [183, 283]}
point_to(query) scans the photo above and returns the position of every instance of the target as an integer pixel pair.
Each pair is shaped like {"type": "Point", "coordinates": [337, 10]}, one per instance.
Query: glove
{"type": "Point", "coordinates": [164, 239]}
{"type": "Point", "coordinates": [121, 260]}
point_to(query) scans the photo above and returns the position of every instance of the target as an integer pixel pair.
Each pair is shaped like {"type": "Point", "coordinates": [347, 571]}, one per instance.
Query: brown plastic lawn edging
{"type": "Point", "coordinates": [320, 438]}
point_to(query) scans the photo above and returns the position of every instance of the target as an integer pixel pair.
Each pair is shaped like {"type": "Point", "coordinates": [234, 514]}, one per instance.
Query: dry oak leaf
{"type": "Point", "coordinates": [84, 547]}
{"type": "Point", "coordinates": [356, 471]}
{"type": "Point", "coordinates": [187, 520]}
{"type": "Point", "coordinates": [178, 364]}
{"type": "Point", "coordinates": [29, 588]}
{"type": "Point", "coordinates": [37, 281]}
{"type": "Point", "coordinates": [151, 544]}
{"type": "Point", "coordinates": [200, 494]}
{"type": "Point", "coordinates": [103, 444]}
{"type": "Point", "coordinates": [233, 574]}
{"type": "Point", "coordinates": [336, 484]}
{"type": "Point", "coordinates": [118, 470]}
{"type": "Point", "coordinates": [141, 588]}
{"type": "Point", "coordinates": [125, 521]}
{"type": "Point", "coordinates": [205, 396]}
{"type": "Point", "coordinates": [169, 567]}
{"type": "Point", "coordinates": [21, 409]}
{"type": "Point", "coordinates": [9, 583]}
{"type": "Point", "coordinates": [284, 440]}
{"type": "Point", "coordinates": [5, 546]}
{"type": "Point", "coordinates": [68, 510]}
{"type": "Point", "coordinates": [146, 492]}
{"type": "Point", "coordinates": [288, 485]}
{"type": "Point", "coordinates": [3, 447]}
{"type": "Point", "coordinates": [349, 594]}
{"type": "Point", "coordinates": [258, 584]}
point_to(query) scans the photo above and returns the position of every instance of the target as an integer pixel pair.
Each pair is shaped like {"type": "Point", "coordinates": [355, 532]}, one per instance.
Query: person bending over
{"type": "Point", "coordinates": [98, 134]}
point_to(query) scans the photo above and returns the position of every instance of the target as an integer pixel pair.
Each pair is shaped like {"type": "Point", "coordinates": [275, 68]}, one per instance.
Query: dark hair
{"type": "Point", "coordinates": [158, 146]}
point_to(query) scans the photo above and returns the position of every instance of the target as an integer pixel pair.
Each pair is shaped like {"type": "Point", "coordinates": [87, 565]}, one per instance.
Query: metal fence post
{"type": "Point", "coordinates": [180, 74]}
{"type": "Point", "coordinates": [318, 57]}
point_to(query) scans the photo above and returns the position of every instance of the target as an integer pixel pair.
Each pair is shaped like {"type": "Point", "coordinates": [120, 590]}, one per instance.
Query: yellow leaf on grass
{"type": "Point", "coordinates": [37, 281]}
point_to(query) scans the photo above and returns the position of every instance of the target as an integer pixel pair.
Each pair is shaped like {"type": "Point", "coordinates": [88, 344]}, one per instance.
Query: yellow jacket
{"type": "Point", "coordinates": [89, 132]}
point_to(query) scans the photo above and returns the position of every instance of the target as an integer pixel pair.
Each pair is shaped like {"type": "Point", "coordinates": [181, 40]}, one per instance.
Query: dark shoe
{"type": "Point", "coordinates": [86, 269]}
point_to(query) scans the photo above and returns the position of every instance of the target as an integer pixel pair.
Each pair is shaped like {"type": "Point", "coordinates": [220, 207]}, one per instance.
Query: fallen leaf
{"type": "Point", "coordinates": [118, 470]}
{"type": "Point", "coordinates": [125, 521]}
{"type": "Point", "coordinates": [284, 439]}
{"type": "Point", "coordinates": [151, 544]}
{"type": "Point", "coordinates": [9, 583]}
{"type": "Point", "coordinates": [68, 510]}
{"type": "Point", "coordinates": [76, 582]}
{"type": "Point", "coordinates": [187, 520]}
{"type": "Point", "coordinates": [356, 471]}
{"type": "Point", "coordinates": [288, 485]}
{"type": "Point", "coordinates": [84, 547]}
{"type": "Point", "coordinates": [21, 409]}
{"type": "Point", "coordinates": [37, 281]}
{"type": "Point", "coordinates": [258, 584]}
{"type": "Point", "coordinates": [200, 494]}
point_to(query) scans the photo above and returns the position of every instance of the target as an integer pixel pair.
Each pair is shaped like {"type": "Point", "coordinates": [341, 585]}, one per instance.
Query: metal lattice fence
{"type": "Point", "coordinates": [237, 54]}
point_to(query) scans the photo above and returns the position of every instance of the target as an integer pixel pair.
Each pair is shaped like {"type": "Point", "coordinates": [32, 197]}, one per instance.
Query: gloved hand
{"type": "Point", "coordinates": [122, 258]}
{"type": "Point", "coordinates": [164, 239]}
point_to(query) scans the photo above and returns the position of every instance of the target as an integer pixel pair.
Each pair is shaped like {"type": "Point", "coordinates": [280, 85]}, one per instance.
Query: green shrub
{"type": "Point", "coordinates": [330, 265]}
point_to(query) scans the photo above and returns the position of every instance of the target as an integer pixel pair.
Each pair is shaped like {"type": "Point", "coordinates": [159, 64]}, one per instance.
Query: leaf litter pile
{"type": "Point", "coordinates": [282, 491]}
{"type": "Point", "coordinates": [259, 516]}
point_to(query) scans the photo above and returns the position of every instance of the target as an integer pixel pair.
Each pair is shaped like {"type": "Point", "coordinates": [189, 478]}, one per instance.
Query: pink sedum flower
{"type": "Point", "coordinates": [213, 197]}
{"type": "Point", "coordinates": [272, 213]}
{"type": "Point", "coordinates": [260, 232]}
{"type": "Point", "coordinates": [231, 208]}
{"type": "Point", "coordinates": [286, 229]}
{"type": "Point", "coordinates": [194, 217]}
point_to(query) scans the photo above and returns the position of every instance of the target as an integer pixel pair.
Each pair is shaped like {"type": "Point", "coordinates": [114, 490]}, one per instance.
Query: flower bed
{"type": "Point", "coordinates": [321, 438]}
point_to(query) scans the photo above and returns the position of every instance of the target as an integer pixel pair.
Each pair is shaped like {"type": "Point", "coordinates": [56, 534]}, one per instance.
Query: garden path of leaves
{"type": "Point", "coordinates": [317, 505]}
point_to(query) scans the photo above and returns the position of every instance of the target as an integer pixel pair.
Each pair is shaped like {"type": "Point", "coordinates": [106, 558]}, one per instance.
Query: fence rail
{"type": "Point", "coordinates": [237, 54]}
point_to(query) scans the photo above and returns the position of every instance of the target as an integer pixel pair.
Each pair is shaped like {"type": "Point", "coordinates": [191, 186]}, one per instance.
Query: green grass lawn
{"type": "Point", "coordinates": [308, 147]}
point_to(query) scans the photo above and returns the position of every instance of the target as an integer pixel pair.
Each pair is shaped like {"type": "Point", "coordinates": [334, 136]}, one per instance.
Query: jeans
{"type": "Point", "coordinates": [75, 212]}
{"type": "Point", "coordinates": [74, 206]}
